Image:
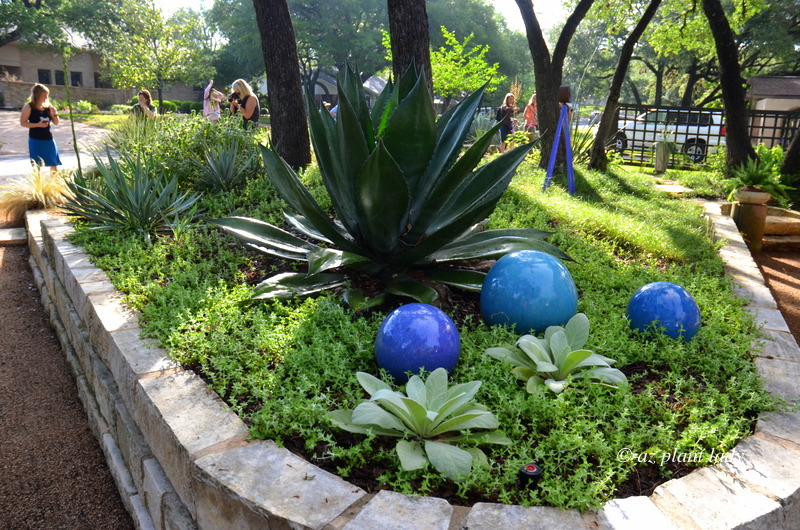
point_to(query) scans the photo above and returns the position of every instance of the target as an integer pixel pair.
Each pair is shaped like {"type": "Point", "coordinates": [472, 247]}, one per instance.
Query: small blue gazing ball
{"type": "Point", "coordinates": [417, 336]}
{"type": "Point", "coordinates": [664, 305]}
{"type": "Point", "coordinates": [530, 290]}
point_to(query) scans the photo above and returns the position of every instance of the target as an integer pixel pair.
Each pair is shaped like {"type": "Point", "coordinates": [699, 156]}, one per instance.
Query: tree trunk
{"type": "Point", "coordinates": [598, 158]}
{"type": "Point", "coordinates": [733, 93]}
{"type": "Point", "coordinates": [408, 28]}
{"type": "Point", "coordinates": [791, 161]}
{"type": "Point", "coordinates": [287, 111]}
{"type": "Point", "coordinates": [549, 70]}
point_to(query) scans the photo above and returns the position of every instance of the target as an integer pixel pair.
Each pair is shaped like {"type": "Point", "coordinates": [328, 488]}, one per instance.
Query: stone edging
{"type": "Point", "coordinates": [181, 459]}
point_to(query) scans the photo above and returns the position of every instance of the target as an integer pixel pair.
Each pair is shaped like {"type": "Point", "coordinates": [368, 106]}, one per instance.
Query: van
{"type": "Point", "coordinates": [695, 132]}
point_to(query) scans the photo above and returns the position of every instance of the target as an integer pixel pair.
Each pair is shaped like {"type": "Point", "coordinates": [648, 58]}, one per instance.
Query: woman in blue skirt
{"type": "Point", "coordinates": [37, 115]}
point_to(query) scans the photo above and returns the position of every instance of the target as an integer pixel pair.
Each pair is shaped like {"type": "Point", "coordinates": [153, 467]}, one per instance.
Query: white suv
{"type": "Point", "coordinates": [696, 132]}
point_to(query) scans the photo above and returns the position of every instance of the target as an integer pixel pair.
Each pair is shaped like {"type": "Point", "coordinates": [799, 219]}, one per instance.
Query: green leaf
{"type": "Point", "coordinates": [405, 286]}
{"type": "Point", "coordinates": [371, 384]}
{"type": "Point", "coordinates": [415, 389]}
{"type": "Point", "coordinates": [523, 373]}
{"type": "Point", "coordinates": [436, 389]}
{"type": "Point", "coordinates": [343, 420]}
{"type": "Point", "coordinates": [381, 103]}
{"type": "Point", "coordinates": [358, 302]}
{"type": "Point", "coordinates": [478, 419]}
{"type": "Point", "coordinates": [532, 383]}
{"type": "Point", "coordinates": [556, 386]}
{"type": "Point", "coordinates": [289, 285]}
{"type": "Point", "coordinates": [577, 331]}
{"type": "Point", "coordinates": [382, 201]}
{"type": "Point", "coordinates": [397, 405]}
{"type": "Point", "coordinates": [536, 349]}
{"type": "Point", "coordinates": [479, 459]}
{"type": "Point", "coordinates": [493, 244]}
{"type": "Point", "coordinates": [607, 375]}
{"type": "Point", "coordinates": [370, 413]}
{"type": "Point", "coordinates": [467, 280]}
{"type": "Point", "coordinates": [453, 462]}
{"type": "Point", "coordinates": [266, 237]}
{"type": "Point", "coordinates": [411, 455]}
{"type": "Point", "coordinates": [322, 259]}
{"type": "Point", "coordinates": [572, 360]}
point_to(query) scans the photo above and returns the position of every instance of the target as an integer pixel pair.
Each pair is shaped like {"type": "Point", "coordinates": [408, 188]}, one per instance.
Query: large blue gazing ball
{"type": "Point", "coordinates": [528, 289]}
{"type": "Point", "coordinates": [417, 336]}
{"type": "Point", "coordinates": [665, 305]}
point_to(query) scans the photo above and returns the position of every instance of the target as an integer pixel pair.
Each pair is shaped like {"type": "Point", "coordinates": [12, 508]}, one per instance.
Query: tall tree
{"type": "Point", "coordinates": [598, 159]}
{"type": "Point", "coordinates": [287, 112]}
{"type": "Point", "coordinates": [148, 50]}
{"type": "Point", "coordinates": [733, 92]}
{"type": "Point", "coordinates": [408, 28]}
{"type": "Point", "coordinates": [549, 69]}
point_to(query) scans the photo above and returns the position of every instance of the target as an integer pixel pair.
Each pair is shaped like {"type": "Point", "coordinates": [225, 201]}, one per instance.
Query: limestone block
{"type": "Point", "coordinates": [116, 465]}
{"type": "Point", "coordinates": [139, 514]}
{"type": "Point", "coordinates": [390, 510]}
{"type": "Point", "coordinates": [784, 425]}
{"type": "Point", "coordinates": [485, 516]}
{"type": "Point", "coordinates": [154, 487]}
{"type": "Point", "coordinates": [710, 499]}
{"type": "Point", "coordinates": [261, 482]}
{"type": "Point", "coordinates": [632, 513]}
{"type": "Point", "coordinates": [743, 272]}
{"type": "Point", "coordinates": [175, 515]}
{"type": "Point", "coordinates": [179, 416]}
{"type": "Point", "coordinates": [780, 377]}
{"type": "Point", "coordinates": [756, 293]}
{"type": "Point", "coordinates": [777, 345]}
{"type": "Point", "coordinates": [768, 319]}
{"type": "Point", "coordinates": [130, 441]}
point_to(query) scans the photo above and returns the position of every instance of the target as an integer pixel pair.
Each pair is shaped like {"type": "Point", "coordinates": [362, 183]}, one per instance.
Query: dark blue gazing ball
{"type": "Point", "coordinates": [664, 305]}
{"type": "Point", "coordinates": [417, 336]}
{"type": "Point", "coordinates": [528, 289]}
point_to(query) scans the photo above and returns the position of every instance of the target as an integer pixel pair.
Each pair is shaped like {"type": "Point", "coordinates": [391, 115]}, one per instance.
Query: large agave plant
{"type": "Point", "coordinates": [408, 207]}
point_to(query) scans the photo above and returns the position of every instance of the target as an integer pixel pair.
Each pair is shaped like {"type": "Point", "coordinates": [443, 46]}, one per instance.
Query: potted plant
{"type": "Point", "coordinates": [755, 183]}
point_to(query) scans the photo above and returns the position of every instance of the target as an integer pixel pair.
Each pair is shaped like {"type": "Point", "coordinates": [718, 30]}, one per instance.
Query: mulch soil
{"type": "Point", "coordinates": [53, 473]}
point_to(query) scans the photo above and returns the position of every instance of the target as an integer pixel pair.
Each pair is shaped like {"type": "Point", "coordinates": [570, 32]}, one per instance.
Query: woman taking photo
{"type": "Point", "coordinates": [37, 115]}
{"type": "Point", "coordinates": [242, 99]}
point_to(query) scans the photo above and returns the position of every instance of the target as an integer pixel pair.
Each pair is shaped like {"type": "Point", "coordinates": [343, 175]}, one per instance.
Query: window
{"type": "Point", "coordinates": [101, 82]}
{"type": "Point", "coordinates": [60, 77]}
{"type": "Point", "coordinates": [44, 76]}
{"type": "Point", "coordinates": [76, 78]}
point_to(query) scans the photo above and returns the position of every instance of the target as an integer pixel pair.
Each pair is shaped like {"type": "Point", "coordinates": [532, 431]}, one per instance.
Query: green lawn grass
{"type": "Point", "coordinates": [283, 365]}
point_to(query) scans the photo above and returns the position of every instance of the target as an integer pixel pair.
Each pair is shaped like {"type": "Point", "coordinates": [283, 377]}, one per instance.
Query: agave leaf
{"type": "Point", "coordinates": [382, 200]}
{"type": "Point", "coordinates": [304, 227]}
{"type": "Point", "coordinates": [556, 386]}
{"type": "Point", "coordinates": [358, 302]}
{"type": "Point", "coordinates": [289, 285]}
{"type": "Point", "coordinates": [466, 280]}
{"type": "Point", "coordinates": [478, 419]}
{"type": "Point", "coordinates": [371, 384]}
{"type": "Point", "coordinates": [381, 104]}
{"type": "Point", "coordinates": [453, 462]}
{"type": "Point", "coordinates": [322, 259]}
{"type": "Point", "coordinates": [266, 237]}
{"type": "Point", "coordinates": [577, 331]}
{"type": "Point", "coordinates": [571, 361]}
{"type": "Point", "coordinates": [370, 413]}
{"type": "Point", "coordinates": [411, 455]}
{"type": "Point", "coordinates": [410, 134]}
{"type": "Point", "coordinates": [300, 200]}
{"type": "Point", "coordinates": [415, 389]}
{"type": "Point", "coordinates": [492, 244]}
{"type": "Point", "coordinates": [344, 420]}
{"type": "Point", "coordinates": [436, 389]}
{"type": "Point", "coordinates": [405, 286]}
{"type": "Point", "coordinates": [354, 145]}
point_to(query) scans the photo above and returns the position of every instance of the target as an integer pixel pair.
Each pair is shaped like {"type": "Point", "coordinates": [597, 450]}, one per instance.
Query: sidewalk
{"type": "Point", "coordinates": [14, 161]}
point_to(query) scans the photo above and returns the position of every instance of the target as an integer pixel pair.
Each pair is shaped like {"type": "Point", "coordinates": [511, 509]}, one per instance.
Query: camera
{"type": "Point", "coordinates": [233, 97]}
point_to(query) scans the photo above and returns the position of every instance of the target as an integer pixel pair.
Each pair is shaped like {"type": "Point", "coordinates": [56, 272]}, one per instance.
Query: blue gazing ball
{"type": "Point", "coordinates": [416, 336]}
{"type": "Point", "coordinates": [528, 289]}
{"type": "Point", "coordinates": [667, 305]}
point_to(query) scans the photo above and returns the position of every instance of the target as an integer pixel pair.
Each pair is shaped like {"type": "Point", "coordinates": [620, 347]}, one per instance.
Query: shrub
{"type": "Point", "coordinates": [85, 107]}
{"type": "Point", "coordinates": [410, 211]}
{"type": "Point", "coordinates": [40, 189]}
{"type": "Point", "coordinates": [131, 194]}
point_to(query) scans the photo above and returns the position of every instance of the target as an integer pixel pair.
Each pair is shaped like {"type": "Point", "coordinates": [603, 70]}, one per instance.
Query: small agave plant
{"type": "Point", "coordinates": [431, 419]}
{"type": "Point", "coordinates": [409, 206]}
{"type": "Point", "coordinates": [558, 357]}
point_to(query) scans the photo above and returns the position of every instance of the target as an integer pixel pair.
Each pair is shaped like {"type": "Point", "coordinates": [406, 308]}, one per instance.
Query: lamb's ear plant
{"type": "Point", "coordinates": [431, 420]}
{"type": "Point", "coordinates": [558, 358]}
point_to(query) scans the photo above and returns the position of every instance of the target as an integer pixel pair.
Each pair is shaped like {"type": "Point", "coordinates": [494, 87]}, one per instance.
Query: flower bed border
{"type": "Point", "coordinates": [181, 459]}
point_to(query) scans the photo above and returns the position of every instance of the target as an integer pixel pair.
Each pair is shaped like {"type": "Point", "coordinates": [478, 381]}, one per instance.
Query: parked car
{"type": "Point", "coordinates": [695, 132]}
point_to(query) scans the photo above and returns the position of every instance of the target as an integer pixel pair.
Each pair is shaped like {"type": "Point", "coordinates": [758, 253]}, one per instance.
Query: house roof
{"type": "Point", "coordinates": [777, 87]}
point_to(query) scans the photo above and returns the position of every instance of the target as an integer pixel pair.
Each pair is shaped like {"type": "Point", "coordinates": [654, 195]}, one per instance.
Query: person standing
{"type": "Point", "coordinates": [505, 114]}
{"type": "Point", "coordinates": [242, 99]}
{"type": "Point", "coordinates": [37, 116]}
{"type": "Point", "coordinates": [144, 108]}
{"type": "Point", "coordinates": [530, 114]}
{"type": "Point", "coordinates": [211, 100]}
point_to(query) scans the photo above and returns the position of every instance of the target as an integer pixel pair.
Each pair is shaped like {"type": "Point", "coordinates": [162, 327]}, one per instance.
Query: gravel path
{"type": "Point", "coordinates": [52, 470]}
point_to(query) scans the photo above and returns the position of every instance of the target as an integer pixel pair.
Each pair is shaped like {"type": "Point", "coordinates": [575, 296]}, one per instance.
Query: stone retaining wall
{"type": "Point", "coordinates": [181, 459]}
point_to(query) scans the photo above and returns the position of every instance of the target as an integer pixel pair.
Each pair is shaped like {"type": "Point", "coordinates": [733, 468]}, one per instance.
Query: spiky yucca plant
{"type": "Point", "coordinates": [408, 206]}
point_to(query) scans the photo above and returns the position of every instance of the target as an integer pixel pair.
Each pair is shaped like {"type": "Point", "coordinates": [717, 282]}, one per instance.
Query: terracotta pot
{"type": "Point", "coordinates": [751, 197]}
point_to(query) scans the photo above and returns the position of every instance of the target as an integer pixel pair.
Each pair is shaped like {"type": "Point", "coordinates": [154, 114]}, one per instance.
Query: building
{"type": "Point", "coordinates": [778, 100]}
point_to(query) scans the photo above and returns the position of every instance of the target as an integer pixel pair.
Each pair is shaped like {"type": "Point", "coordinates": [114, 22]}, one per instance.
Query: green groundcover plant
{"type": "Point", "coordinates": [284, 365]}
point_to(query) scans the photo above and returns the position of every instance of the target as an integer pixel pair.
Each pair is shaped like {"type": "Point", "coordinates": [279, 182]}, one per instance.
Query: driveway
{"type": "Point", "coordinates": [14, 161]}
